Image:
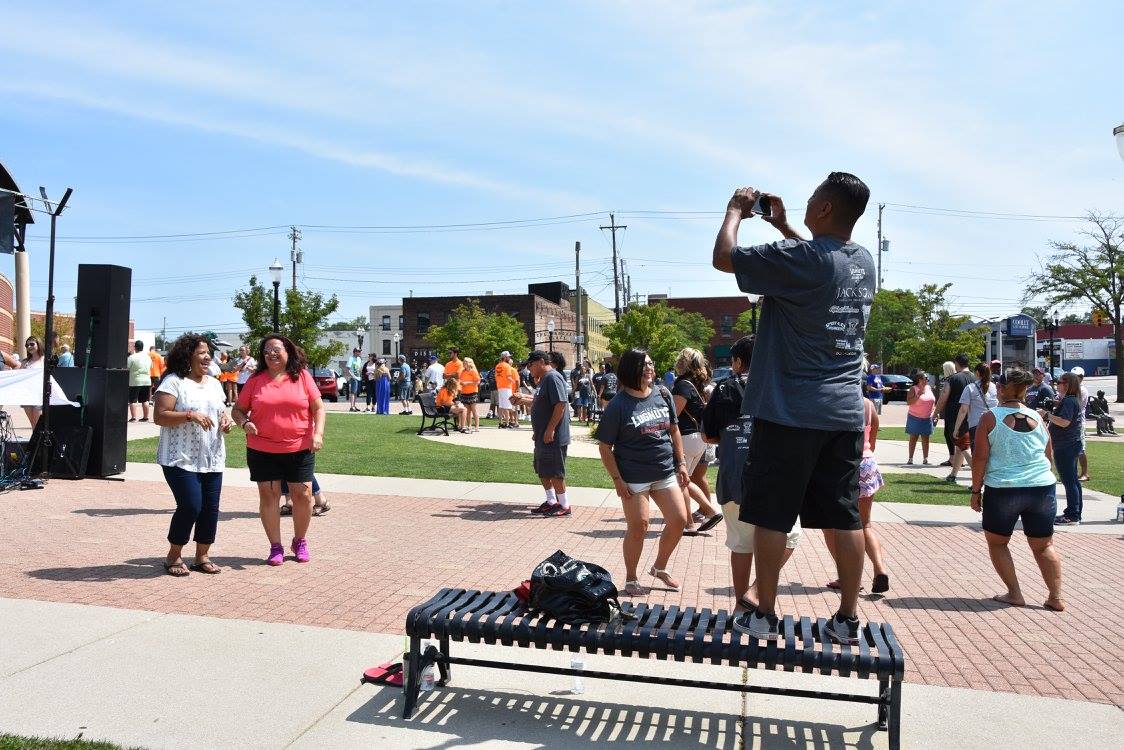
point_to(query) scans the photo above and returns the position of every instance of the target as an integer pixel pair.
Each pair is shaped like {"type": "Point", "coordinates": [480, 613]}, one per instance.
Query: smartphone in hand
{"type": "Point", "coordinates": [761, 206]}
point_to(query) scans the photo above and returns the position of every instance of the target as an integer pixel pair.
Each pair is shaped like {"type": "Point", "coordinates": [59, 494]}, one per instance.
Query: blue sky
{"type": "Point", "coordinates": [206, 117]}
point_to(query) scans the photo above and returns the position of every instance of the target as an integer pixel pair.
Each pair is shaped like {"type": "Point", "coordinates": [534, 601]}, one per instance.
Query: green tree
{"type": "Point", "coordinates": [661, 329]}
{"type": "Point", "coordinates": [895, 316]}
{"type": "Point", "coordinates": [1091, 273]}
{"type": "Point", "coordinates": [301, 318]}
{"type": "Point", "coordinates": [480, 335]}
{"type": "Point", "coordinates": [940, 334]}
{"type": "Point", "coordinates": [744, 323]}
{"type": "Point", "coordinates": [355, 324]}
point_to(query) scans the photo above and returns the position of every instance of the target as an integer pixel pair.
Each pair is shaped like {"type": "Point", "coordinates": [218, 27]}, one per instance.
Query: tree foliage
{"type": "Point", "coordinates": [302, 318]}
{"type": "Point", "coordinates": [939, 335]}
{"type": "Point", "coordinates": [895, 316]}
{"type": "Point", "coordinates": [1089, 273]}
{"type": "Point", "coordinates": [480, 335]}
{"type": "Point", "coordinates": [661, 329]}
{"type": "Point", "coordinates": [744, 323]}
{"type": "Point", "coordinates": [63, 326]}
{"type": "Point", "coordinates": [355, 324]}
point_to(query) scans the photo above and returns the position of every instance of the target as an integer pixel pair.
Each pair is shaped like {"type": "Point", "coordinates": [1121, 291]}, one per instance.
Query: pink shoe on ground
{"type": "Point", "coordinates": [276, 555]}
{"type": "Point", "coordinates": [300, 549]}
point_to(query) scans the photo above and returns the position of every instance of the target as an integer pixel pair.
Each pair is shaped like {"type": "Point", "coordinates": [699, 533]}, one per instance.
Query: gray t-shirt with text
{"type": "Point", "coordinates": [551, 391]}
{"type": "Point", "coordinates": [807, 360]}
{"type": "Point", "coordinates": [639, 429]}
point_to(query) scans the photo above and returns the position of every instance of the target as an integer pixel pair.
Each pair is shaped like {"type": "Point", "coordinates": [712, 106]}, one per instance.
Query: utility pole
{"type": "Point", "coordinates": [613, 227]}
{"type": "Point", "coordinates": [578, 319]}
{"type": "Point", "coordinates": [878, 286]}
{"type": "Point", "coordinates": [296, 256]}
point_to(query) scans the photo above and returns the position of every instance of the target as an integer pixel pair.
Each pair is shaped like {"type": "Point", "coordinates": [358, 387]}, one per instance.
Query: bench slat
{"type": "Point", "coordinates": [625, 640]}
{"type": "Point", "coordinates": [489, 613]}
{"type": "Point", "coordinates": [680, 642]}
{"type": "Point", "coordinates": [665, 631]}
{"type": "Point", "coordinates": [896, 653]}
{"type": "Point", "coordinates": [827, 657]}
{"type": "Point", "coordinates": [717, 636]}
{"type": "Point", "coordinates": [864, 655]}
{"type": "Point", "coordinates": [808, 655]}
{"type": "Point", "coordinates": [885, 663]}
{"type": "Point", "coordinates": [789, 644]}
{"type": "Point", "coordinates": [698, 639]}
{"type": "Point", "coordinates": [456, 623]}
{"type": "Point", "coordinates": [419, 620]}
{"type": "Point", "coordinates": [644, 637]}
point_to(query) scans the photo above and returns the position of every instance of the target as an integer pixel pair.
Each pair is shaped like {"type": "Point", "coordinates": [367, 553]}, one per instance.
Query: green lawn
{"type": "Point", "coordinates": [1106, 459]}
{"type": "Point", "coordinates": [390, 447]}
{"type": "Point", "coordinates": [15, 742]}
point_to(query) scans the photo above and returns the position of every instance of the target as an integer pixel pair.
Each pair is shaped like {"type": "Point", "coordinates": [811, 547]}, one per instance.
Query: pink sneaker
{"type": "Point", "coordinates": [276, 555]}
{"type": "Point", "coordinates": [300, 549]}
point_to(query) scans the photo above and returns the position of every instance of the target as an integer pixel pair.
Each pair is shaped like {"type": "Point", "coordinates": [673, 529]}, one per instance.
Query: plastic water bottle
{"type": "Point", "coordinates": [577, 685]}
{"type": "Point", "coordinates": [428, 679]}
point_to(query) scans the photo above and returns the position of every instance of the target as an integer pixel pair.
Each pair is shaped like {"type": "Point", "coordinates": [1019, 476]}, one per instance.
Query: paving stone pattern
{"type": "Point", "coordinates": [373, 557]}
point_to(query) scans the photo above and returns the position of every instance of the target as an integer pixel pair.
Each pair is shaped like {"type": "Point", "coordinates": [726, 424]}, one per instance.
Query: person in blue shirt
{"type": "Point", "coordinates": [405, 384]}
{"type": "Point", "coordinates": [66, 359]}
{"type": "Point", "coordinates": [1066, 425]}
{"type": "Point", "coordinates": [874, 387]}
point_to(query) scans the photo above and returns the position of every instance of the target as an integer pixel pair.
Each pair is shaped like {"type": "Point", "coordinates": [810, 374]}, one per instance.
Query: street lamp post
{"type": "Point", "coordinates": [397, 338]}
{"type": "Point", "coordinates": [550, 332]}
{"type": "Point", "coordinates": [275, 273]}
{"type": "Point", "coordinates": [359, 333]}
{"type": "Point", "coordinates": [1118, 133]}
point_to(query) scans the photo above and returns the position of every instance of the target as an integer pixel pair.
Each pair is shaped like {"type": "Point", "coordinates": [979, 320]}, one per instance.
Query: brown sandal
{"type": "Point", "coordinates": [176, 569]}
{"type": "Point", "coordinates": [207, 567]}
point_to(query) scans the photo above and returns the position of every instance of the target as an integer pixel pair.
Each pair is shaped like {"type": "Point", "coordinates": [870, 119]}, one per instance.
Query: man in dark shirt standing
{"type": "Point", "coordinates": [807, 400]}
{"type": "Point", "coordinates": [550, 429]}
{"type": "Point", "coordinates": [949, 403]}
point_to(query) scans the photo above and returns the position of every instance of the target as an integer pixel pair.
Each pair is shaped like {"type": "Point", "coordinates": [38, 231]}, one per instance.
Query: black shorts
{"type": "Point", "coordinates": [469, 398]}
{"type": "Point", "coordinates": [138, 394]}
{"type": "Point", "coordinates": [273, 467]}
{"type": "Point", "coordinates": [550, 461]}
{"type": "Point", "coordinates": [796, 471]}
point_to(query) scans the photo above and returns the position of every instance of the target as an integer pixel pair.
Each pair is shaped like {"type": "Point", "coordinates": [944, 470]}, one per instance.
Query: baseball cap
{"type": "Point", "coordinates": [996, 362]}
{"type": "Point", "coordinates": [505, 354]}
{"type": "Point", "coordinates": [1078, 371]}
{"type": "Point", "coordinates": [432, 357]}
{"type": "Point", "coordinates": [1039, 371]}
{"type": "Point", "coordinates": [875, 366]}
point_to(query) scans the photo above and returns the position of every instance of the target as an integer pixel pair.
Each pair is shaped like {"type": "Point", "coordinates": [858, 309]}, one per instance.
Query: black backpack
{"type": "Point", "coordinates": [574, 592]}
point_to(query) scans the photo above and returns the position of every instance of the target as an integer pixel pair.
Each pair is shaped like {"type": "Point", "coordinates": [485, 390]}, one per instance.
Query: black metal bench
{"type": "Point", "coordinates": [682, 634]}
{"type": "Point", "coordinates": [428, 404]}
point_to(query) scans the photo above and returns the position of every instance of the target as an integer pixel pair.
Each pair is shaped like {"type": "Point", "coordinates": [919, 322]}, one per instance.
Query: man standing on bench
{"type": "Point", "coordinates": [807, 401]}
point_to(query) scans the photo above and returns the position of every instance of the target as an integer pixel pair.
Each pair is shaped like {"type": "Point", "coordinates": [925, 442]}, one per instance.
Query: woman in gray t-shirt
{"type": "Point", "coordinates": [976, 399]}
{"type": "Point", "coordinates": [643, 453]}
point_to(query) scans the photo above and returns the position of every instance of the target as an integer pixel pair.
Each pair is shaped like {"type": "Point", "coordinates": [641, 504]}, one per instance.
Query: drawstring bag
{"type": "Point", "coordinates": [574, 592]}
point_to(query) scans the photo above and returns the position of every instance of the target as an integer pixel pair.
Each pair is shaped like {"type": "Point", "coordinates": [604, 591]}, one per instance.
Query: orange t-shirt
{"type": "Point", "coordinates": [443, 398]}
{"type": "Point", "coordinates": [470, 381]}
{"type": "Point", "coordinates": [506, 377]}
{"type": "Point", "coordinates": [453, 368]}
{"type": "Point", "coordinates": [156, 369]}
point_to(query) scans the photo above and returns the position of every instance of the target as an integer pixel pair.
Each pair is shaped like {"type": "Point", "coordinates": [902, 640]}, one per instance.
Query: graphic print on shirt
{"type": "Point", "coordinates": [652, 421]}
{"type": "Point", "coordinates": [847, 325]}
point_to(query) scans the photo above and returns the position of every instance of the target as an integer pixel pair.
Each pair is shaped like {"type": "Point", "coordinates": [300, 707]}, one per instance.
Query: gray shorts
{"type": "Point", "coordinates": [550, 460]}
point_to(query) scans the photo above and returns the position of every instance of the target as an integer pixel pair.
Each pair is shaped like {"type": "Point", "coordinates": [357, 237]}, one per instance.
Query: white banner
{"type": "Point", "coordinates": [1075, 350]}
{"type": "Point", "coordinates": [25, 388]}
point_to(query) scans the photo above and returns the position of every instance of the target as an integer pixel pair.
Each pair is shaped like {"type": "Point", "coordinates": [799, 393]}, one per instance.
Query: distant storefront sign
{"type": "Point", "coordinates": [1075, 350]}
{"type": "Point", "coordinates": [1021, 325]}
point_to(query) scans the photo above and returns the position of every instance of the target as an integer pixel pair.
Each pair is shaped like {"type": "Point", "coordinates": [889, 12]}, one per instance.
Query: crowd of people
{"type": "Point", "coordinates": [794, 436]}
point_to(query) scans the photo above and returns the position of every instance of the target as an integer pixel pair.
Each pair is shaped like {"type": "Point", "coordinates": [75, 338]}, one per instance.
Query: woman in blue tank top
{"type": "Point", "coordinates": [1012, 480]}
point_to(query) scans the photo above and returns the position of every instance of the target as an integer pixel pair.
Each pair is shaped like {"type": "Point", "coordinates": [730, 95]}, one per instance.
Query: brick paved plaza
{"type": "Point", "coordinates": [374, 556]}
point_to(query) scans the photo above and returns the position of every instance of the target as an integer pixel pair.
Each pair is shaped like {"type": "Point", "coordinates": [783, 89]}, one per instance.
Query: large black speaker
{"type": "Point", "coordinates": [103, 302]}
{"type": "Point", "coordinates": [107, 406]}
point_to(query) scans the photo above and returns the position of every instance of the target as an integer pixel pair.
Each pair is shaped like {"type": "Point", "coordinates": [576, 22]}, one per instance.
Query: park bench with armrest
{"type": "Point", "coordinates": [663, 632]}
{"type": "Point", "coordinates": [429, 413]}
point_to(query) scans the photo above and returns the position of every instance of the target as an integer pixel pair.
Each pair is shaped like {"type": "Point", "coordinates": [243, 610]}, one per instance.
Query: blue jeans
{"type": "Point", "coordinates": [1065, 458]}
{"type": "Point", "coordinates": [285, 486]}
{"type": "Point", "coordinates": [197, 504]}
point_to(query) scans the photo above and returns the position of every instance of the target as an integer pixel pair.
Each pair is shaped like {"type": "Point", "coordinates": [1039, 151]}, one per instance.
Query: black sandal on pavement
{"type": "Point", "coordinates": [176, 569]}
{"type": "Point", "coordinates": [286, 510]}
{"type": "Point", "coordinates": [207, 567]}
{"type": "Point", "coordinates": [710, 523]}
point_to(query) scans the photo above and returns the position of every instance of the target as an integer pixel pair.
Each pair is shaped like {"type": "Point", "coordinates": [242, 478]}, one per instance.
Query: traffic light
{"type": "Point", "coordinates": [1099, 317]}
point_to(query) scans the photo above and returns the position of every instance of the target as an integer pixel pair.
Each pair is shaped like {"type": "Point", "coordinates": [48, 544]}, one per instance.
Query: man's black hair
{"type": "Point", "coordinates": [536, 355]}
{"type": "Point", "coordinates": [557, 361]}
{"type": "Point", "coordinates": [608, 367]}
{"type": "Point", "coordinates": [961, 359]}
{"type": "Point", "coordinates": [848, 195]}
{"type": "Point", "coordinates": [743, 350]}
{"type": "Point", "coordinates": [138, 346]}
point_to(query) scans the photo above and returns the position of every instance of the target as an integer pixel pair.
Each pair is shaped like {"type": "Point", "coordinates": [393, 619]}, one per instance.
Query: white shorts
{"type": "Point", "coordinates": [645, 488]}
{"type": "Point", "coordinates": [694, 448]}
{"type": "Point", "coordinates": [503, 398]}
{"type": "Point", "coordinates": [739, 534]}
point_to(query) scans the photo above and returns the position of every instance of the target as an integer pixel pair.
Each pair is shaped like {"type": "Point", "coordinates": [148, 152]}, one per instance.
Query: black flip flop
{"type": "Point", "coordinates": [710, 523]}
{"type": "Point", "coordinates": [214, 570]}
{"type": "Point", "coordinates": [169, 566]}
{"type": "Point", "coordinates": [286, 510]}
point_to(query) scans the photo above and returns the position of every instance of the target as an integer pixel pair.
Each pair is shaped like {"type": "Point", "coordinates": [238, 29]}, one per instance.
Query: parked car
{"type": "Point", "coordinates": [328, 382]}
{"type": "Point", "coordinates": [899, 387]}
{"type": "Point", "coordinates": [487, 384]}
{"type": "Point", "coordinates": [721, 373]}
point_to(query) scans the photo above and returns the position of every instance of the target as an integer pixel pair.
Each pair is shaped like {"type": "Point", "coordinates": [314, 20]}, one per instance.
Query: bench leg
{"type": "Point", "coordinates": [445, 667]}
{"type": "Point", "coordinates": [412, 663]}
{"type": "Point", "coordinates": [895, 714]}
{"type": "Point", "coordinates": [883, 708]}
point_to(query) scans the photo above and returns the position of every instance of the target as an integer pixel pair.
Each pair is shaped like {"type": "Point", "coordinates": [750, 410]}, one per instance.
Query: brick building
{"type": "Point", "coordinates": [722, 312]}
{"type": "Point", "coordinates": [541, 303]}
{"type": "Point", "coordinates": [7, 314]}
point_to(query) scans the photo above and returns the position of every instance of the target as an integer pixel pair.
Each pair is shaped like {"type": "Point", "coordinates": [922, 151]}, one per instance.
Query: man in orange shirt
{"type": "Point", "coordinates": [454, 366]}
{"type": "Point", "coordinates": [156, 369]}
{"type": "Point", "coordinates": [507, 380]}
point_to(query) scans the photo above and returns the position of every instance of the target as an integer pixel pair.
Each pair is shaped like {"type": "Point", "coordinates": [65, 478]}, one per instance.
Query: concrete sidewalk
{"type": "Point", "coordinates": [170, 681]}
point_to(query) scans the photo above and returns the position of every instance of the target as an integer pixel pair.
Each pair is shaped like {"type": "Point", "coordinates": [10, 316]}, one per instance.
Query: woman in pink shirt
{"type": "Point", "coordinates": [283, 416]}
{"type": "Point", "coordinates": [919, 421]}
